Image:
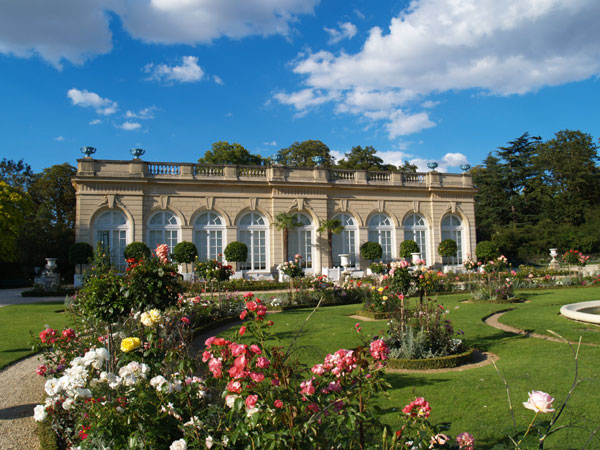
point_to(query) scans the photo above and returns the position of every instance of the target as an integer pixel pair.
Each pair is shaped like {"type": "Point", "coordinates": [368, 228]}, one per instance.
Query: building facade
{"type": "Point", "coordinates": [119, 202]}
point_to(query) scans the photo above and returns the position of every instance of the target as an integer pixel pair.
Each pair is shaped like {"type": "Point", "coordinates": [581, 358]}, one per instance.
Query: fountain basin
{"type": "Point", "coordinates": [583, 311]}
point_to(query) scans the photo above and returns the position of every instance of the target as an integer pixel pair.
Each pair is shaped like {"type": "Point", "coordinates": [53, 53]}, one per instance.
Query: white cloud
{"type": "Point", "coordinates": [218, 80]}
{"type": "Point", "coordinates": [337, 155]}
{"type": "Point", "coordinates": [272, 143]}
{"type": "Point", "coordinates": [188, 72]}
{"type": "Point", "coordinates": [103, 106]}
{"type": "Point", "coordinates": [129, 126]}
{"type": "Point", "coordinates": [436, 46]}
{"type": "Point", "coordinates": [95, 122]}
{"type": "Point", "coordinates": [395, 157]}
{"type": "Point", "coordinates": [76, 30]}
{"type": "Point", "coordinates": [449, 161]}
{"type": "Point", "coordinates": [59, 138]}
{"type": "Point", "coordinates": [346, 30]}
{"type": "Point", "coordinates": [401, 124]}
{"type": "Point", "coordinates": [144, 113]}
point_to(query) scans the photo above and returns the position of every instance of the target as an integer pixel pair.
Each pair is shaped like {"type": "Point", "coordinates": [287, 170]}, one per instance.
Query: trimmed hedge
{"type": "Point", "coordinates": [444, 362]}
{"type": "Point", "coordinates": [374, 315]}
{"type": "Point", "coordinates": [47, 436]}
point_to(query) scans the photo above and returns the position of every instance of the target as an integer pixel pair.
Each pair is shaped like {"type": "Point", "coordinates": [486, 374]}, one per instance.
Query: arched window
{"type": "Point", "coordinates": [209, 230]}
{"type": "Point", "coordinates": [163, 228]}
{"type": "Point", "coordinates": [110, 228]}
{"type": "Point", "coordinates": [381, 231]}
{"type": "Point", "coordinates": [300, 240]}
{"type": "Point", "coordinates": [452, 229]}
{"type": "Point", "coordinates": [345, 242]}
{"type": "Point", "coordinates": [415, 229]}
{"type": "Point", "coordinates": [252, 231]}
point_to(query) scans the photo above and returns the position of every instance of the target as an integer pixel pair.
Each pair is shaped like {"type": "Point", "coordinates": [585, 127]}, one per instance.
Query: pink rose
{"type": "Point", "coordinates": [278, 404]}
{"type": "Point", "coordinates": [243, 314]}
{"type": "Point", "coordinates": [379, 350]}
{"type": "Point", "coordinates": [234, 386]}
{"type": "Point", "coordinates": [263, 362]}
{"type": "Point", "coordinates": [306, 387]}
{"type": "Point", "coordinates": [242, 330]}
{"type": "Point", "coordinates": [257, 377]}
{"type": "Point", "coordinates": [539, 402]}
{"type": "Point", "coordinates": [255, 349]}
{"type": "Point", "coordinates": [251, 401]}
{"type": "Point", "coordinates": [215, 366]}
{"type": "Point", "coordinates": [465, 441]}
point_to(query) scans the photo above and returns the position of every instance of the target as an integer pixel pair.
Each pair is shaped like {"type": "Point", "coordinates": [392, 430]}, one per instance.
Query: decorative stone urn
{"type": "Point", "coordinates": [345, 260]}
{"type": "Point", "coordinates": [554, 264]}
{"type": "Point", "coordinates": [415, 257]}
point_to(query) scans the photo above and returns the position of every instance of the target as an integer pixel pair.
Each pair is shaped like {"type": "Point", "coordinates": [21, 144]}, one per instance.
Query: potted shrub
{"type": "Point", "coordinates": [136, 250]}
{"type": "Point", "coordinates": [486, 251]}
{"type": "Point", "coordinates": [185, 252]}
{"type": "Point", "coordinates": [447, 249]}
{"type": "Point", "coordinates": [407, 248]}
{"type": "Point", "coordinates": [80, 253]}
{"type": "Point", "coordinates": [236, 252]}
{"type": "Point", "coordinates": [371, 251]}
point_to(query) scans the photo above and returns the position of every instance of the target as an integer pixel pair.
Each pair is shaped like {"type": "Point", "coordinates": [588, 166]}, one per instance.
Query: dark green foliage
{"type": "Point", "coordinates": [151, 284]}
{"type": "Point", "coordinates": [486, 251]}
{"type": "Point", "coordinates": [80, 253]}
{"type": "Point", "coordinates": [371, 251]}
{"type": "Point", "coordinates": [408, 247]}
{"type": "Point", "coordinates": [300, 154]}
{"type": "Point", "coordinates": [222, 152]}
{"type": "Point", "coordinates": [360, 158]}
{"type": "Point", "coordinates": [101, 298]}
{"type": "Point", "coordinates": [184, 252]}
{"type": "Point", "coordinates": [236, 251]}
{"type": "Point", "coordinates": [447, 247]}
{"type": "Point", "coordinates": [136, 250]}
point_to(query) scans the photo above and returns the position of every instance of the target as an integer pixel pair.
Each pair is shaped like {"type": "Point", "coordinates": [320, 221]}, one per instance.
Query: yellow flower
{"type": "Point", "coordinates": [385, 297]}
{"type": "Point", "coordinates": [129, 344]}
{"type": "Point", "coordinates": [150, 318]}
{"type": "Point", "coordinates": [380, 289]}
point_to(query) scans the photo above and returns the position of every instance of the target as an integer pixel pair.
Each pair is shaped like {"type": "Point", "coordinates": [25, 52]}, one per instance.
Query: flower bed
{"type": "Point", "coordinates": [444, 362]}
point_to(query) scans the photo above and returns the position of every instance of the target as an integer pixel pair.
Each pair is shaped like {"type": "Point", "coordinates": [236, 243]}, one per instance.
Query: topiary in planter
{"type": "Point", "coordinates": [447, 248]}
{"type": "Point", "coordinates": [236, 251]}
{"type": "Point", "coordinates": [136, 250]}
{"type": "Point", "coordinates": [407, 247]}
{"type": "Point", "coordinates": [371, 251]}
{"type": "Point", "coordinates": [184, 252]}
{"type": "Point", "coordinates": [486, 251]}
{"type": "Point", "coordinates": [80, 253]}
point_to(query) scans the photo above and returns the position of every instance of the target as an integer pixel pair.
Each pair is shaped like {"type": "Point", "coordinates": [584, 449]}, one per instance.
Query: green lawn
{"type": "Point", "coordinates": [18, 321]}
{"type": "Point", "coordinates": [475, 400]}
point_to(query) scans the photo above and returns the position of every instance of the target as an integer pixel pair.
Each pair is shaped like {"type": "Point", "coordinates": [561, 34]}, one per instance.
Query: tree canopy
{"type": "Point", "coordinates": [222, 152]}
{"type": "Point", "coordinates": [300, 154]}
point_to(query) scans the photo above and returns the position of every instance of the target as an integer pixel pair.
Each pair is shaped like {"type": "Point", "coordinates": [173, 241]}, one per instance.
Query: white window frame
{"type": "Point", "coordinates": [418, 232]}
{"type": "Point", "coordinates": [169, 229]}
{"type": "Point", "coordinates": [347, 241]}
{"type": "Point", "coordinates": [252, 234]}
{"type": "Point", "coordinates": [116, 232]}
{"type": "Point", "coordinates": [383, 233]}
{"type": "Point", "coordinates": [304, 235]}
{"type": "Point", "coordinates": [454, 232]}
{"type": "Point", "coordinates": [213, 232]}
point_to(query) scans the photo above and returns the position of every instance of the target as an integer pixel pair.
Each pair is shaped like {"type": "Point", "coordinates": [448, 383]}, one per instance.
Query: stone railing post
{"type": "Point", "coordinates": [186, 171]}
{"type": "Point", "coordinates": [467, 180]}
{"type": "Point", "coordinates": [433, 179]}
{"type": "Point", "coordinates": [86, 167]}
{"type": "Point", "coordinates": [137, 168]}
{"type": "Point", "coordinates": [320, 174]}
{"type": "Point", "coordinates": [230, 172]}
{"type": "Point", "coordinates": [360, 176]}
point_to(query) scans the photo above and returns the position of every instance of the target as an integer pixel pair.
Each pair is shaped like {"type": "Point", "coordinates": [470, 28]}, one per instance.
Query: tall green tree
{"type": "Point", "coordinates": [300, 154]}
{"type": "Point", "coordinates": [332, 226]}
{"type": "Point", "coordinates": [569, 177]}
{"type": "Point", "coordinates": [15, 206]}
{"type": "Point", "coordinates": [16, 174]}
{"type": "Point", "coordinates": [49, 230]}
{"type": "Point", "coordinates": [491, 202]}
{"type": "Point", "coordinates": [364, 158]}
{"type": "Point", "coordinates": [222, 152]}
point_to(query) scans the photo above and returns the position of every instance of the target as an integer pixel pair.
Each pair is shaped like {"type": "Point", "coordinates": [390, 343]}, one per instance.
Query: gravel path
{"type": "Point", "coordinates": [20, 390]}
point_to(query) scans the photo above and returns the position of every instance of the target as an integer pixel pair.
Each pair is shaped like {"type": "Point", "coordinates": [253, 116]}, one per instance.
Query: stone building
{"type": "Point", "coordinates": [119, 202]}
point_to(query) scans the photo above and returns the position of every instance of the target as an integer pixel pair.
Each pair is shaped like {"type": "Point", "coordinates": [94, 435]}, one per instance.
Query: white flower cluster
{"type": "Point", "coordinates": [133, 372]}
{"type": "Point", "coordinates": [158, 382]}
{"type": "Point", "coordinates": [72, 384]}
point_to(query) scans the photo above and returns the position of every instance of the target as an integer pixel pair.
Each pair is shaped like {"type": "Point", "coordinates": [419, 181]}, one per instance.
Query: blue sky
{"type": "Point", "coordinates": [428, 80]}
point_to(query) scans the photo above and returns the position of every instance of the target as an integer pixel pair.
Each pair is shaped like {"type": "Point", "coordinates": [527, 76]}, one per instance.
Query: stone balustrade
{"type": "Point", "coordinates": [89, 167]}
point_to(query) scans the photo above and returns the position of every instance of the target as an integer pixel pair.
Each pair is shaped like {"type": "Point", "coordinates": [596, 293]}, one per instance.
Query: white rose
{"type": "Point", "coordinates": [157, 382]}
{"type": "Point", "coordinates": [67, 404]}
{"type": "Point", "coordinates": [209, 442]}
{"type": "Point", "coordinates": [39, 413]}
{"type": "Point", "coordinates": [230, 400]}
{"type": "Point", "coordinates": [178, 445]}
